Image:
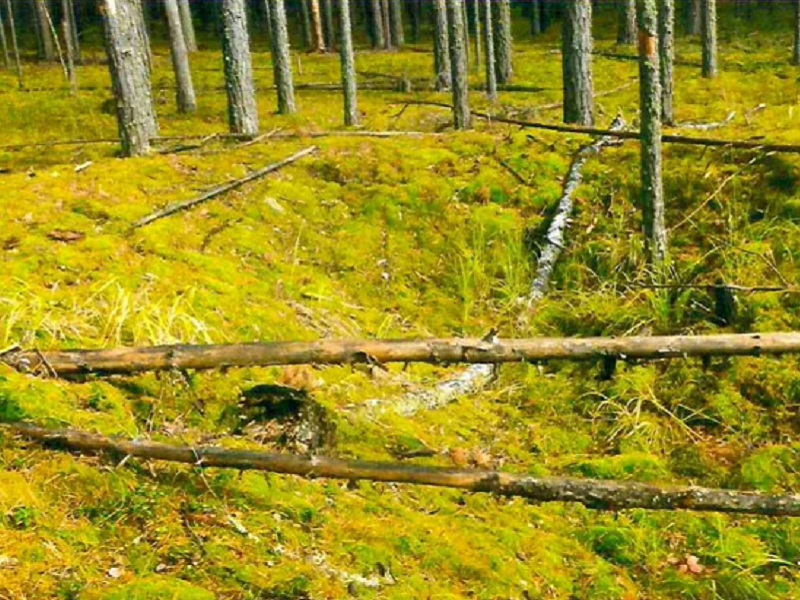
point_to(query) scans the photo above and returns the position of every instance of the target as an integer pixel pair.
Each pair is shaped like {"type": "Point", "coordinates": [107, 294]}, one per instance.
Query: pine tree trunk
{"type": "Point", "coordinates": [130, 75]}
{"type": "Point", "coordinates": [458, 64]}
{"type": "Point", "coordinates": [242, 108]}
{"type": "Point", "coordinates": [650, 117]}
{"type": "Point", "coordinates": [316, 27]}
{"type": "Point", "coordinates": [69, 13]}
{"type": "Point", "coordinates": [328, 27]}
{"type": "Point", "coordinates": [67, 23]}
{"type": "Point", "coordinates": [4, 41]}
{"type": "Point", "coordinates": [281, 59]}
{"type": "Point", "coordinates": [185, 96]}
{"type": "Point", "coordinates": [44, 32]}
{"type": "Point", "coordinates": [12, 27]}
{"type": "Point", "coordinates": [488, 45]}
{"type": "Point", "coordinates": [577, 63]}
{"type": "Point", "coordinates": [666, 50]}
{"type": "Point", "coordinates": [398, 35]}
{"type": "Point", "coordinates": [387, 25]}
{"type": "Point", "coordinates": [536, 18]}
{"type": "Point", "coordinates": [476, 32]}
{"type": "Point", "coordinates": [348, 65]}
{"type": "Point", "coordinates": [187, 25]}
{"type": "Point", "coordinates": [796, 59]}
{"type": "Point", "coordinates": [695, 17]}
{"type": "Point", "coordinates": [626, 32]}
{"type": "Point", "coordinates": [441, 47]}
{"type": "Point", "coordinates": [709, 38]}
{"type": "Point", "coordinates": [415, 12]}
{"type": "Point", "coordinates": [305, 22]}
{"type": "Point", "coordinates": [144, 36]}
{"type": "Point", "coordinates": [378, 33]}
{"type": "Point", "coordinates": [465, 17]}
{"type": "Point", "coordinates": [502, 40]}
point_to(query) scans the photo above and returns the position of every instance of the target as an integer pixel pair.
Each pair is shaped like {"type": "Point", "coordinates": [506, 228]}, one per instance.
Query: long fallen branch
{"type": "Point", "coordinates": [627, 135]}
{"type": "Point", "coordinates": [175, 207]}
{"type": "Point", "coordinates": [595, 494]}
{"type": "Point", "coordinates": [123, 361]}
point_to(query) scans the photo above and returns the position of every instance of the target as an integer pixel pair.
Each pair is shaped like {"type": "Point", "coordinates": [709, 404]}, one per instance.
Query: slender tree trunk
{"type": "Point", "coordinates": [458, 64]}
{"type": "Point", "coordinates": [378, 32]}
{"type": "Point", "coordinates": [502, 40]}
{"type": "Point", "coordinates": [45, 34]}
{"type": "Point", "coordinates": [268, 25]}
{"type": "Point", "coordinates": [536, 18]}
{"type": "Point", "coordinates": [666, 49]}
{"type": "Point", "coordinates": [187, 25]}
{"type": "Point", "coordinates": [185, 97]}
{"type": "Point", "coordinates": [387, 25]}
{"type": "Point", "coordinates": [398, 35]}
{"type": "Point", "coordinates": [130, 76]}
{"type": "Point", "coordinates": [316, 27]}
{"type": "Point", "coordinates": [4, 41]}
{"type": "Point", "coordinates": [348, 65]}
{"type": "Point", "coordinates": [12, 27]}
{"type": "Point", "coordinates": [66, 24]}
{"type": "Point", "coordinates": [476, 31]}
{"type": "Point", "coordinates": [488, 39]}
{"type": "Point", "coordinates": [441, 47]}
{"type": "Point", "coordinates": [796, 59]}
{"type": "Point", "coordinates": [328, 27]}
{"type": "Point", "coordinates": [626, 31]}
{"type": "Point", "coordinates": [242, 108]}
{"type": "Point", "coordinates": [281, 59]}
{"type": "Point", "coordinates": [465, 17]}
{"type": "Point", "coordinates": [650, 117]}
{"type": "Point", "coordinates": [577, 65]}
{"type": "Point", "coordinates": [709, 38]}
{"type": "Point", "coordinates": [415, 13]}
{"type": "Point", "coordinates": [69, 13]}
{"type": "Point", "coordinates": [695, 17]}
{"type": "Point", "coordinates": [305, 22]}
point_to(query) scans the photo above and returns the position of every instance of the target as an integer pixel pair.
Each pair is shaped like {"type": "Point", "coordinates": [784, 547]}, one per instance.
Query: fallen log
{"type": "Point", "coordinates": [667, 138]}
{"type": "Point", "coordinates": [594, 494]}
{"type": "Point", "coordinates": [125, 361]}
{"type": "Point", "coordinates": [175, 207]}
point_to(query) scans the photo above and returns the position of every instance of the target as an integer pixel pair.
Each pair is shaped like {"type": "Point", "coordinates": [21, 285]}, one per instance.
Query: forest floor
{"type": "Point", "coordinates": [396, 238]}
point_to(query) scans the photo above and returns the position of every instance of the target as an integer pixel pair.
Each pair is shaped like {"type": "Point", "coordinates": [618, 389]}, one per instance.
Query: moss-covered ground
{"type": "Point", "coordinates": [391, 238]}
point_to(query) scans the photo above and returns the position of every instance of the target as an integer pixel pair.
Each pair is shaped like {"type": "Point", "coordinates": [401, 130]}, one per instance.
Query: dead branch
{"type": "Point", "coordinates": [594, 494]}
{"type": "Point", "coordinates": [175, 207]}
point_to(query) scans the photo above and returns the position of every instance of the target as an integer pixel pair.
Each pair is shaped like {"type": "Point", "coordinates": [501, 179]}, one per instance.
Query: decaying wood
{"type": "Point", "coordinates": [175, 207]}
{"type": "Point", "coordinates": [434, 351]}
{"type": "Point", "coordinates": [594, 494]}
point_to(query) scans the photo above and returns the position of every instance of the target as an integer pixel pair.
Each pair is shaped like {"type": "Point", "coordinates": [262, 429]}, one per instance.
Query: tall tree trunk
{"type": "Point", "coordinates": [281, 59]}
{"type": "Point", "coordinates": [458, 64]}
{"type": "Point", "coordinates": [67, 22]}
{"type": "Point", "coordinates": [242, 108]}
{"type": "Point", "coordinates": [316, 27]}
{"type": "Point", "coordinates": [12, 27]}
{"type": "Point", "coordinates": [415, 13]}
{"type": "Point", "coordinates": [626, 29]}
{"type": "Point", "coordinates": [695, 17]}
{"type": "Point", "coordinates": [536, 18]}
{"type": "Point", "coordinates": [305, 22]}
{"type": "Point", "coordinates": [4, 41]}
{"type": "Point", "coordinates": [378, 33]}
{"type": "Point", "coordinates": [348, 65]}
{"type": "Point", "coordinates": [396, 13]}
{"type": "Point", "coordinates": [488, 45]}
{"type": "Point", "coordinates": [666, 50]}
{"type": "Point", "coordinates": [187, 25]}
{"type": "Point", "coordinates": [44, 31]}
{"type": "Point", "coordinates": [387, 25]}
{"type": "Point", "coordinates": [796, 59]}
{"type": "Point", "coordinates": [577, 63]}
{"type": "Point", "coordinates": [502, 40]}
{"type": "Point", "coordinates": [69, 13]}
{"type": "Point", "coordinates": [328, 27]}
{"type": "Point", "coordinates": [465, 17]}
{"type": "Point", "coordinates": [130, 76]}
{"type": "Point", "coordinates": [441, 47]}
{"type": "Point", "coordinates": [650, 117]}
{"type": "Point", "coordinates": [709, 38]}
{"type": "Point", "coordinates": [476, 32]}
{"type": "Point", "coordinates": [185, 97]}
{"type": "Point", "coordinates": [141, 29]}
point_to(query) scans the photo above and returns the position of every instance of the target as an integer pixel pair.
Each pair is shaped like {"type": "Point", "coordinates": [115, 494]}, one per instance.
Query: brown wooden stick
{"type": "Point", "coordinates": [595, 494]}
{"type": "Point", "coordinates": [175, 207]}
{"type": "Point", "coordinates": [627, 135]}
{"type": "Point", "coordinates": [113, 361]}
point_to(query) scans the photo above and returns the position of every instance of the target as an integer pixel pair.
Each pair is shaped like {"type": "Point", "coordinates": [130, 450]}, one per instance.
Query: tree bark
{"type": "Point", "coordinates": [709, 38]}
{"type": "Point", "coordinates": [4, 41]}
{"type": "Point", "coordinates": [305, 22]}
{"type": "Point", "coordinates": [626, 29]}
{"type": "Point", "coordinates": [796, 57]}
{"type": "Point", "coordinates": [281, 59]}
{"type": "Point", "coordinates": [187, 25]}
{"type": "Point", "coordinates": [695, 17]}
{"type": "Point", "coordinates": [577, 63]}
{"type": "Point", "coordinates": [387, 25]}
{"type": "Point", "coordinates": [502, 41]}
{"type": "Point", "coordinates": [126, 361]}
{"type": "Point", "coordinates": [67, 23]}
{"type": "Point", "coordinates": [316, 27]}
{"type": "Point", "coordinates": [12, 27]}
{"type": "Point", "coordinates": [69, 14]}
{"type": "Point", "coordinates": [396, 13]}
{"type": "Point", "coordinates": [441, 47]}
{"type": "Point", "coordinates": [348, 65]}
{"type": "Point", "coordinates": [491, 76]}
{"type": "Point", "coordinates": [378, 33]}
{"type": "Point", "coordinates": [44, 31]}
{"type": "Point", "coordinates": [242, 107]}
{"type": "Point", "coordinates": [650, 117]}
{"type": "Point", "coordinates": [666, 50]}
{"type": "Point", "coordinates": [476, 31]}
{"type": "Point", "coordinates": [185, 97]}
{"type": "Point", "coordinates": [144, 36]}
{"type": "Point", "coordinates": [458, 65]}
{"type": "Point", "coordinates": [328, 27]}
{"type": "Point", "coordinates": [130, 76]}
